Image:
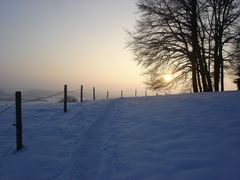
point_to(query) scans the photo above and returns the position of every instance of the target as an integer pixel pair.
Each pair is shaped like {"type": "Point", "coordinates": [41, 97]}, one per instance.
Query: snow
{"type": "Point", "coordinates": [183, 137]}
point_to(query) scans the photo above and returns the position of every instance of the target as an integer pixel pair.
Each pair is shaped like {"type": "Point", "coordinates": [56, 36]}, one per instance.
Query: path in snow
{"type": "Point", "coordinates": [65, 144]}
{"type": "Point", "coordinates": [89, 162]}
{"type": "Point", "coordinates": [184, 137]}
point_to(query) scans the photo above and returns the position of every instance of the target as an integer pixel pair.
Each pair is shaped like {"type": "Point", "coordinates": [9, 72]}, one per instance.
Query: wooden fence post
{"type": "Point", "coordinates": [135, 93]}
{"type": "Point", "coordinates": [145, 93]}
{"type": "Point", "coordinates": [18, 120]}
{"type": "Point", "coordinates": [65, 98]}
{"type": "Point", "coordinates": [94, 95]}
{"type": "Point", "coordinates": [107, 94]}
{"type": "Point", "coordinates": [121, 93]}
{"type": "Point", "coordinates": [81, 94]}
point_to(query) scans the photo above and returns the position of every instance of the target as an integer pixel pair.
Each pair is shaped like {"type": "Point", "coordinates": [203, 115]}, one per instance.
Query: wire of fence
{"type": "Point", "coordinates": [74, 91]}
{"type": "Point", "coordinates": [83, 93]}
{"type": "Point", "coordinates": [42, 98]}
{"type": "Point", "coordinates": [7, 100]}
{"type": "Point", "coordinates": [31, 100]}
{"type": "Point", "coordinates": [7, 104]}
{"type": "Point", "coordinates": [88, 90]}
{"type": "Point", "coordinates": [7, 108]}
{"type": "Point", "coordinates": [88, 94]}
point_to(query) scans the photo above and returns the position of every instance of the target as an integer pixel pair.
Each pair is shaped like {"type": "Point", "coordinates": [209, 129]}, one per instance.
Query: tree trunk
{"type": "Point", "coordinates": [221, 66]}
{"type": "Point", "coordinates": [194, 78]}
{"type": "Point", "coordinates": [199, 81]}
{"type": "Point", "coordinates": [195, 44]}
{"type": "Point", "coordinates": [216, 76]}
{"type": "Point", "coordinates": [222, 77]}
{"type": "Point", "coordinates": [216, 64]}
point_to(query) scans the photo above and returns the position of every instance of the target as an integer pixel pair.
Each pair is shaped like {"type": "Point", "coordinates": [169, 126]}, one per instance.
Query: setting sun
{"type": "Point", "coordinates": [167, 77]}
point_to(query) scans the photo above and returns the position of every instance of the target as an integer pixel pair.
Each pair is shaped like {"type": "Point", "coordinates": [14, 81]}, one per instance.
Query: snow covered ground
{"type": "Point", "coordinates": [179, 137]}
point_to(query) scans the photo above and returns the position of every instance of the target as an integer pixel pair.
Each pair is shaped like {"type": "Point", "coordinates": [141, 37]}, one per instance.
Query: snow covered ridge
{"type": "Point", "coordinates": [180, 137]}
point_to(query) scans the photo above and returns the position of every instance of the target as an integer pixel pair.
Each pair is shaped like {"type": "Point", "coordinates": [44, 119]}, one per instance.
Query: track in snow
{"type": "Point", "coordinates": [185, 137]}
{"type": "Point", "coordinates": [95, 155]}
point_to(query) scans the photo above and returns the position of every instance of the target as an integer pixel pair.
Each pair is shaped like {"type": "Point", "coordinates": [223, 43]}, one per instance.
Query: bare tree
{"type": "Point", "coordinates": [224, 24]}
{"type": "Point", "coordinates": [189, 38]}
{"type": "Point", "coordinates": [235, 62]}
{"type": "Point", "coordinates": [162, 39]}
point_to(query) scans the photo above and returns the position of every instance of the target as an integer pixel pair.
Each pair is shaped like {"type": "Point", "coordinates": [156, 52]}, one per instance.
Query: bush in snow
{"type": "Point", "coordinates": [70, 99]}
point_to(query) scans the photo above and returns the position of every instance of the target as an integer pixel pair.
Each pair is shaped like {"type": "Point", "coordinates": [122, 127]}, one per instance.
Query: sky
{"type": "Point", "coordinates": [45, 44]}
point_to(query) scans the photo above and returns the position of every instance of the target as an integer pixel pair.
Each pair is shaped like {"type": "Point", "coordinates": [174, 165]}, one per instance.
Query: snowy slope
{"type": "Point", "coordinates": [180, 137]}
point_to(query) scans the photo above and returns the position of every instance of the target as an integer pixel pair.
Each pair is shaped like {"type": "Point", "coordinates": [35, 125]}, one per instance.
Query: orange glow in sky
{"type": "Point", "coordinates": [46, 44]}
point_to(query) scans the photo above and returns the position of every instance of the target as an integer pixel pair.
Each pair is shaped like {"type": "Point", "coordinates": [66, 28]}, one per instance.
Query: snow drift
{"type": "Point", "coordinates": [180, 137]}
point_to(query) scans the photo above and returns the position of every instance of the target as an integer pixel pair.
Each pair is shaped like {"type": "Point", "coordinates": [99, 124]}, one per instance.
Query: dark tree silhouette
{"type": "Point", "coordinates": [235, 62]}
{"type": "Point", "coordinates": [188, 38]}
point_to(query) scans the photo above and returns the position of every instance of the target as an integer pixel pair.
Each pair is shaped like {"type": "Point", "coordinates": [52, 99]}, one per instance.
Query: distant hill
{"type": "Point", "coordinates": [27, 95]}
{"type": "Point", "coordinates": [39, 93]}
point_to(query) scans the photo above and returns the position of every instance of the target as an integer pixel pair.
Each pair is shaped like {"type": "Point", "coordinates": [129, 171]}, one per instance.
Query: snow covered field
{"type": "Point", "coordinates": [179, 137]}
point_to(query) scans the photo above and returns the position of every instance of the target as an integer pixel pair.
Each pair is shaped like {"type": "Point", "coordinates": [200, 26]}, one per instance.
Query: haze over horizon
{"type": "Point", "coordinates": [46, 44]}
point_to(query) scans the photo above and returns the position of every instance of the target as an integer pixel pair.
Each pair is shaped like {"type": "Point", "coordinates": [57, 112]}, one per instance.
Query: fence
{"type": "Point", "coordinates": [66, 96]}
